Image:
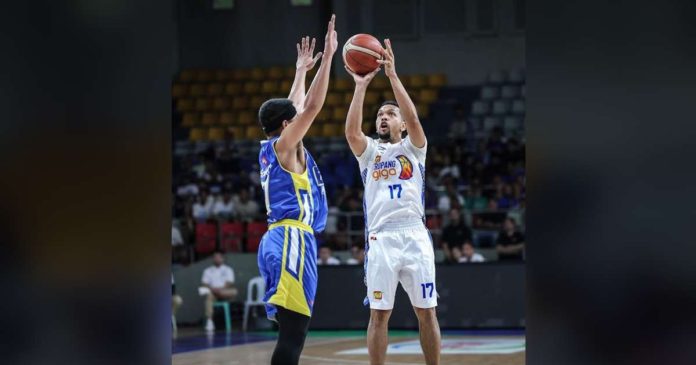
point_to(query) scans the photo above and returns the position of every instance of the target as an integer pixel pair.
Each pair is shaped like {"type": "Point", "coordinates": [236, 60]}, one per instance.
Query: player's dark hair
{"type": "Point", "coordinates": [273, 112]}
{"type": "Point", "coordinates": [394, 103]}
{"type": "Point", "coordinates": [389, 102]}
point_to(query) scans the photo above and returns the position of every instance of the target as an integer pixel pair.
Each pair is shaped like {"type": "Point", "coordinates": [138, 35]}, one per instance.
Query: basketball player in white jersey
{"type": "Point", "coordinates": [398, 246]}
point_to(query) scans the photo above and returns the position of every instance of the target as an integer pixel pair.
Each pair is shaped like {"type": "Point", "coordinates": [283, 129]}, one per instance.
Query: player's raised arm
{"type": "Point", "coordinates": [406, 106]}
{"type": "Point", "coordinates": [305, 62]}
{"type": "Point", "coordinates": [354, 133]}
{"type": "Point", "coordinates": [295, 131]}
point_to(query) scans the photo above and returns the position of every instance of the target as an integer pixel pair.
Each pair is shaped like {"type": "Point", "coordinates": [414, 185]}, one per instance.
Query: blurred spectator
{"type": "Point", "coordinates": [217, 283]}
{"type": "Point", "coordinates": [358, 253]}
{"type": "Point", "coordinates": [454, 234]}
{"type": "Point", "coordinates": [458, 127]}
{"type": "Point", "coordinates": [510, 245]}
{"type": "Point", "coordinates": [475, 199]}
{"type": "Point", "coordinates": [247, 209]}
{"type": "Point", "coordinates": [177, 301]}
{"type": "Point", "coordinates": [177, 239]}
{"type": "Point", "coordinates": [506, 198]}
{"type": "Point", "coordinates": [325, 257]}
{"type": "Point", "coordinates": [469, 255]}
{"type": "Point", "coordinates": [224, 207]}
{"type": "Point", "coordinates": [451, 199]}
{"type": "Point", "coordinates": [203, 207]}
{"type": "Point", "coordinates": [215, 183]}
{"type": "Point", "coordinates": [187, 187]}
{"type": "Point", "coordinates": [449, 168]}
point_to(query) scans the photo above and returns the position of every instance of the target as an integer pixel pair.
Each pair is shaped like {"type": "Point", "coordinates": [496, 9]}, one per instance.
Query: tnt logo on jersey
{"type": "Point", "coordinates": [377, 295]}
{"type": "Point", "coordinates": [386, 169]}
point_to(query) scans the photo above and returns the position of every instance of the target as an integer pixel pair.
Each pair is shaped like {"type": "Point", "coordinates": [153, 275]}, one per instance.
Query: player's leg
{"type": "Point", "coordinates": [377, 335]}
{"type": "Point", "coordinates": [294, 300]}
{"type": "Point", "coordinates": [429, 330]}
{"type": "Point", "coordinates": [381, 277]}
{"type": "Point", "coordinates": [417, 277]}
{"type": "Point", "coordinates": [292, 332]}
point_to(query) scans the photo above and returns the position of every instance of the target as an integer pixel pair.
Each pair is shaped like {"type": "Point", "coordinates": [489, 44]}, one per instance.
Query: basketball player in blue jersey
{"type": "Point", "coordinates": [295, 202]}
{"type": "Point", "coordinates": [398, 245]}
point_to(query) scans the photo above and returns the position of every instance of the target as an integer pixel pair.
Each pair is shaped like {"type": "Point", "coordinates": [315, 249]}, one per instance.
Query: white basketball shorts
{"type": "Point", "coordinates": [400, 254]}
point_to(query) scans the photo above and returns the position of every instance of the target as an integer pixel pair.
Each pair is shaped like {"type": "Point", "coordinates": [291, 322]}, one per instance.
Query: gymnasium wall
{"type": "Point", "coordinates": [488, 295]}
{"type": "Point", "coordinates": [232, 38]}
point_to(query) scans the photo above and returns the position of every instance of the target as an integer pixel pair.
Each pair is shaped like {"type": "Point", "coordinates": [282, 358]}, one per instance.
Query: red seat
{"type": "Point", "coordinates": [231, 234]}
{"type": "Point", "coordinates": [433, 222]}
{"type": "Point", "coordinates": [206, 237]}
{"type": "Point", "coordinates": [254, 231]}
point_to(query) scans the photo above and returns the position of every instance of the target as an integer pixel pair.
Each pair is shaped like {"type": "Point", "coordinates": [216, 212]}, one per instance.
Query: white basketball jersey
{"type": "Point", "coordinates": [394, 178]}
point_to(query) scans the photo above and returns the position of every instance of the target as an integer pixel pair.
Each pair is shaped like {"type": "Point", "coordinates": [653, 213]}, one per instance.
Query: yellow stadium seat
{"type": "Point", "coordinates": [257, 73]}
{"type": "Point", "coordinates": [333, 99]}
{"type": "Point", "coordinates": [285, 86]}
{"type": "Point", "coordinates": [179, 90]}
{"type": "Point", "coordinates": [214, 89]}
{"type": "Point", "coordinates": [339, 114]}
{"type": "Point", "coordinates": [343, 84]}
{"type": "Point", "coordinates": [427, 96]}
{"type": "Point", "coordinates": [246, 118]}
{"type": "Point", "coordinates": [269, 87]}
{"type": "Point", "coordinates": [227, 118]}
{"type": "Point", "coordinates": [324, 114]}
{"type": "Point", "coordinates": [222, 75]}
{"type": "Point", "coordinates": [197, 90]}
{"type": "Point", "coordinates": [371, 97]}
{"type": "Point", "coordinates": [216, 134]}
{"type": "Point", "coordinates": [186, 76]}
{"type": "Point", "coordinates": [416, 81]}
{"type": "Point", "coordinates": [190, 119]}
{"type": "Point", "coordinates": [314, 130]}
{"type": "Point", "coordinates": [437, 80]}
{"type": "Point", "coordinates": [233, 88]}
{"type": "Point", "coordinates": [221, 103]}
{"type": "Point", "coordinates": [254, 132]}
{"type": "Point", "coordinates": [256, 101]}
{"type": "Point", "coordinates": [197, 134]}
{"type": "Point", "coordinates": [251, 87]}
{"type": "Point", "coordinates": [235, 132]}
{"type": "Point", "coordinates": [209, 119]}
{"type": "Point", "coordinates": [184, 105]}
{"type": "Point", "coordinates": [205, 75]}
{"type": "Point", "coordinates": [380, 83]}
{"type": "Point", "coordinates": [275, 73]}
{"type": "Point", "coordinates": [347, 97]}
{"type": "Point", "coordinates": [290, 72]}
{"type": "Point", "coordinates": [330, 130]}
{"type": "Point", "coordinates": [240, 102]}
{"type": "Point", "coordinates": [203, 104]}
{"type": "Point", "coordinates": [241, 74]}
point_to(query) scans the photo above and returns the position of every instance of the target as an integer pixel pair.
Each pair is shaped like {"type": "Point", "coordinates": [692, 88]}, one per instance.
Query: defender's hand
{"type": "Point", "coordinates": [305, 61]}
{"type": "Point", "coordinates": [331, 38]}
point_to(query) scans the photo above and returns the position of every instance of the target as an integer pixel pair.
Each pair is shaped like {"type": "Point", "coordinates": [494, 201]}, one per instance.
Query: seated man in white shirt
{"type": "Point", "coordinates": [325, 257]}
{"type": "Point", "coordinates": [468, 254]}
{"type": "Point", "coordinates": [219, 282]}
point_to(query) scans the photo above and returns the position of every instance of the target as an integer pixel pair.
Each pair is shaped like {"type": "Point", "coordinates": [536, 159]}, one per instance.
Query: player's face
{"type": "Point", "coordinates": [389, 122]}
{"type": "Point", "coordinates": [468, 250]}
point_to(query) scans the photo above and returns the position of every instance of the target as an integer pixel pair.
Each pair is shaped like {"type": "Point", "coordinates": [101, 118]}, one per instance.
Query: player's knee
{"type": "Point", "coordinates": [426, 314]}
{"type": "Point", "coordinates": [380, 317]}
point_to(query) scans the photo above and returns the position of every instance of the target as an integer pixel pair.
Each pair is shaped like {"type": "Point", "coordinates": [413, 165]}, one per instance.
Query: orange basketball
{"type": "Point", "coordinates": [361, 52]}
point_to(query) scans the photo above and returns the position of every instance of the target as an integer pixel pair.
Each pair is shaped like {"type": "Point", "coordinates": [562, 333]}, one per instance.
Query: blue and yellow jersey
{"type": "Point", "coordinates": [289, 195]}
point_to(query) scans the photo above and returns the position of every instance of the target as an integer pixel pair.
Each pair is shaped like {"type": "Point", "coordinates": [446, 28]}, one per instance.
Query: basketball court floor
{"type": "Point", "coordinates": [489, 347]}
